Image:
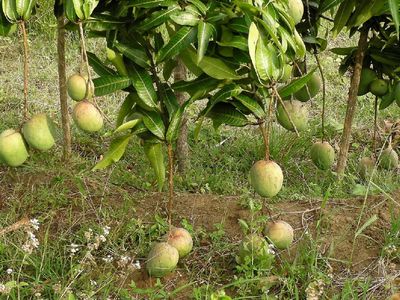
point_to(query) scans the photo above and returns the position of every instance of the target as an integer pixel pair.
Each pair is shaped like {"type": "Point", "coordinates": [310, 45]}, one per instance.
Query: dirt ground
{"type": "Point", "coordinates": [338, 224]}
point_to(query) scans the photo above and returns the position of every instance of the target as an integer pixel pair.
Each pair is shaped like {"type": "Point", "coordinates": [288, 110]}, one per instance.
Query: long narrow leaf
{"type": "Point", "coordinates": [295, 85]}
{"type": "Point", "coordinates": [105, 85]}
{"type": "Point", "coordinates": [178, 42]}
{"type": "Point", "coordinates": [114, 154]}
{"type": "Point", "coordinates": [394, 9]}
{"type": "Point", "coordinates": [143, 84]}
{"type": "Point", "coordinates": [204, 34]}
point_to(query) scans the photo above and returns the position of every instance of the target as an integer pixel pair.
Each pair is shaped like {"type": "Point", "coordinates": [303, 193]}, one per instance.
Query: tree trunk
{"type": "Point", "coordinates": [63, 88]}
{"type": "Point", "coordinates": [351, 102]}
{"type": "Point", "coordinates": [182, 147]}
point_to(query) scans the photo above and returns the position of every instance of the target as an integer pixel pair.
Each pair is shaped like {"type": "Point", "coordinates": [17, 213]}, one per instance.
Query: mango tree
{"type": "Point", "coordinates": [237, 55]}
{"type": "Point", "coordinates": [378, 25]}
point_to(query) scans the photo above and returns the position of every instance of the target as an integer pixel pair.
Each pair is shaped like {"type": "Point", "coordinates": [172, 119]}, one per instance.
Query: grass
{"type": "Point", "coordinates": [78, 257]}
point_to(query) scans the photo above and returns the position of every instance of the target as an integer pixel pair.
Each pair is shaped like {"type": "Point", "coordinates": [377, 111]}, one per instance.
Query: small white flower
{"type": "Point", "coordinates": [9, 271]}
{"type": "Point", "coordinates": [74, 248]}
{"type": "Point", "coordinates": [31, 243]}
{"type": "Point", "coordinates": [102, 238]}
{"type": "Point", "coordinates": [136, 265]}
{"type": "Point", "coordinates": [92, 282]}
{"type": "Point", "coordinates": [35, 224]}
{"type": "Point", "coordinates": [106, 230]}
{"type": "Point", "coordinates": [88, 234]}
{"type": "Point", "coordinates": [108, 258]}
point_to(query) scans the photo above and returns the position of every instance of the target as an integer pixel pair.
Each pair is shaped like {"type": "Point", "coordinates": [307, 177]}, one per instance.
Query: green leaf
{"type": "Point", "coordinates": [178, 42]}
{"type": "Point", "coordinates": [295, 85]}
{"type": "Point", "coordinates": [10, 10]}
{"type": "Point", "coordinates": [217, 69]}
{"type": "Point", "coordinates": [139, 101]}
{"type": "Point", "coordinates": [236, 41]}
{"type": "Point", "coordinates": [98, 66]}
{"type": "Point", "coordinates": [252, 40]}
{"type": "Point", "coordinates": [197, 88]}
{"type": "Point", "coordinates": [342, 16]}
{"type": "Point", "coordinates": [127, 125]}
{"type": "Point", "coordinates": [185, 18]}
{"type": "Point", "coordinates": [199, 5]}
{"type": "Point", "coordinates": [367, 223]}
{"type": "Point", "coordinates": [366, 10]}
{"type": "Point", "coordinates": [114, 153]}
{"type": "Point", "coordinates": [189, 58]}
{"type": "Point", "coordinates": [168, 68]}
{"type": "Point", "coordinates": [225, 113]}
{"type": "Point", "coordinates": [138, 56]}
{"type": "Point", "coordinates": [154, 153]}
{"type": "Point", "coordinates": [151, 3]}
{"type": "Point", "coordinates": [125, 110]}
{"type": "Point", "coordinates": [267, 65]}
{"type": "Point", "coordinates": [252, 105]}
{"type": "Point", "coordinates": [394, 10]}
{"type": "Point", "coordinates": [389, 98]}
{"type": "Point", "coordinates": [108, 84]}
{"type": "Point", "coordinates": [328, 4]}
{"type": "Point", "coordinates": [228, 91]}
{"type": "Point", "coordinates": [70, 11]}
{"type": "Point", "coordinates": [154, 123]}
{"type": "Point", "coordinates": [169, 99]}
{"type": "Point", "coordinates": [269, 30]}
{"type": "Point", "coordinates": [143, 84]}
{"type": "Point", "coordinates": [239, 25]}
{"type": "Point", "coordinates": [176, 121]}
{"type": "Point", "coordinates": [6, 28]}
{"type": "Point", "coordinates": [344, 50]}
{"type": "Point", "coordinates": [204, 34]}
{"type": "Point", "coordinates": [78, 9]}
{"type": "Point", "coordinates": [157, 18]}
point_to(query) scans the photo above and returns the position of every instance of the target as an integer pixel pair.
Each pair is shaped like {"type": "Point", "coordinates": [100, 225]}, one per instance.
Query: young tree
{"type": "Point", "coordinates": [235, 53]}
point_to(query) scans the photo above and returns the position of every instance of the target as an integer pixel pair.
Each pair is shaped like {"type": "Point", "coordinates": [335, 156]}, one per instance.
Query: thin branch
{"type": "Point", "coordinates": [171, 182]}
{"type": "Point", "coordinates": [13, 227]}
{"type": "Point", "coordinates": [323, 95]}
{"type": "Point", "coordinates": [90, 85]}
{"type": "Point", "coordinates": [26, 68]}
{"type": "Point", "coordinates": [375, 126]}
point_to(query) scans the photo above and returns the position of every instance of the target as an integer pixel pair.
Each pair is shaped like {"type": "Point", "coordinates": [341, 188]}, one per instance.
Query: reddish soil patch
{"type": "Point", "coordinates": [338, 224]}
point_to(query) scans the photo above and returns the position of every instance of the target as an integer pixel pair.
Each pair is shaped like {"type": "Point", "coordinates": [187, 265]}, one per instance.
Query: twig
{"type": "Point", "coordinates": [24, 222]}
{"type": "Point", "coordinates": [26, 69]}
{"type": "Point", "coordinates": [171, 182]}
{"type": "Point", "coordinates": [375, 126]}
{"type": "Point", "coordinates": [323, 95]}
{"type": "Point", "coordinates": [90, 84]}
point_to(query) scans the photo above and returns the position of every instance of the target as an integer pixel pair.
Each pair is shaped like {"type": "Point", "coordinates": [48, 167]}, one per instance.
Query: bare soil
{"type": "Point", "coordinates": [337, 222]}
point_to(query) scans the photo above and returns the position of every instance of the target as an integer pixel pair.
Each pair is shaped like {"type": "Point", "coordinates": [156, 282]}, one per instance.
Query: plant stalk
{"type": "Point", "coordinates": [62, 82]}
{"type": "Point", "coordinates": [352, 101]}
{"type": "Point", "coordinates": [375, 126]}
{"type": "Point", "coordinates": [26, 69]}
{"type": "Point", "coordinates": [323, 95]}
{"type": "Point", "coordinates": [170, 182]}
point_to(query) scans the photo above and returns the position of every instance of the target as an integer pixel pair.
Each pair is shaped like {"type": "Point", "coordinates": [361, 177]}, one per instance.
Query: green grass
{"type": "Point", "coordinates": [71, 201]}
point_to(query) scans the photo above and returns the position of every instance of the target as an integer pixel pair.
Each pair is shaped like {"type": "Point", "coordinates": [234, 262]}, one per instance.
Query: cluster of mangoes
{"type": "Point", "coordinates": [38, 133]}
{"type": "Point", "coordinates": [164, 256]}
{"type": "Point", "coordinates": [85, 114]}
{"type": "Point", "coordinates": [256, 248]}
